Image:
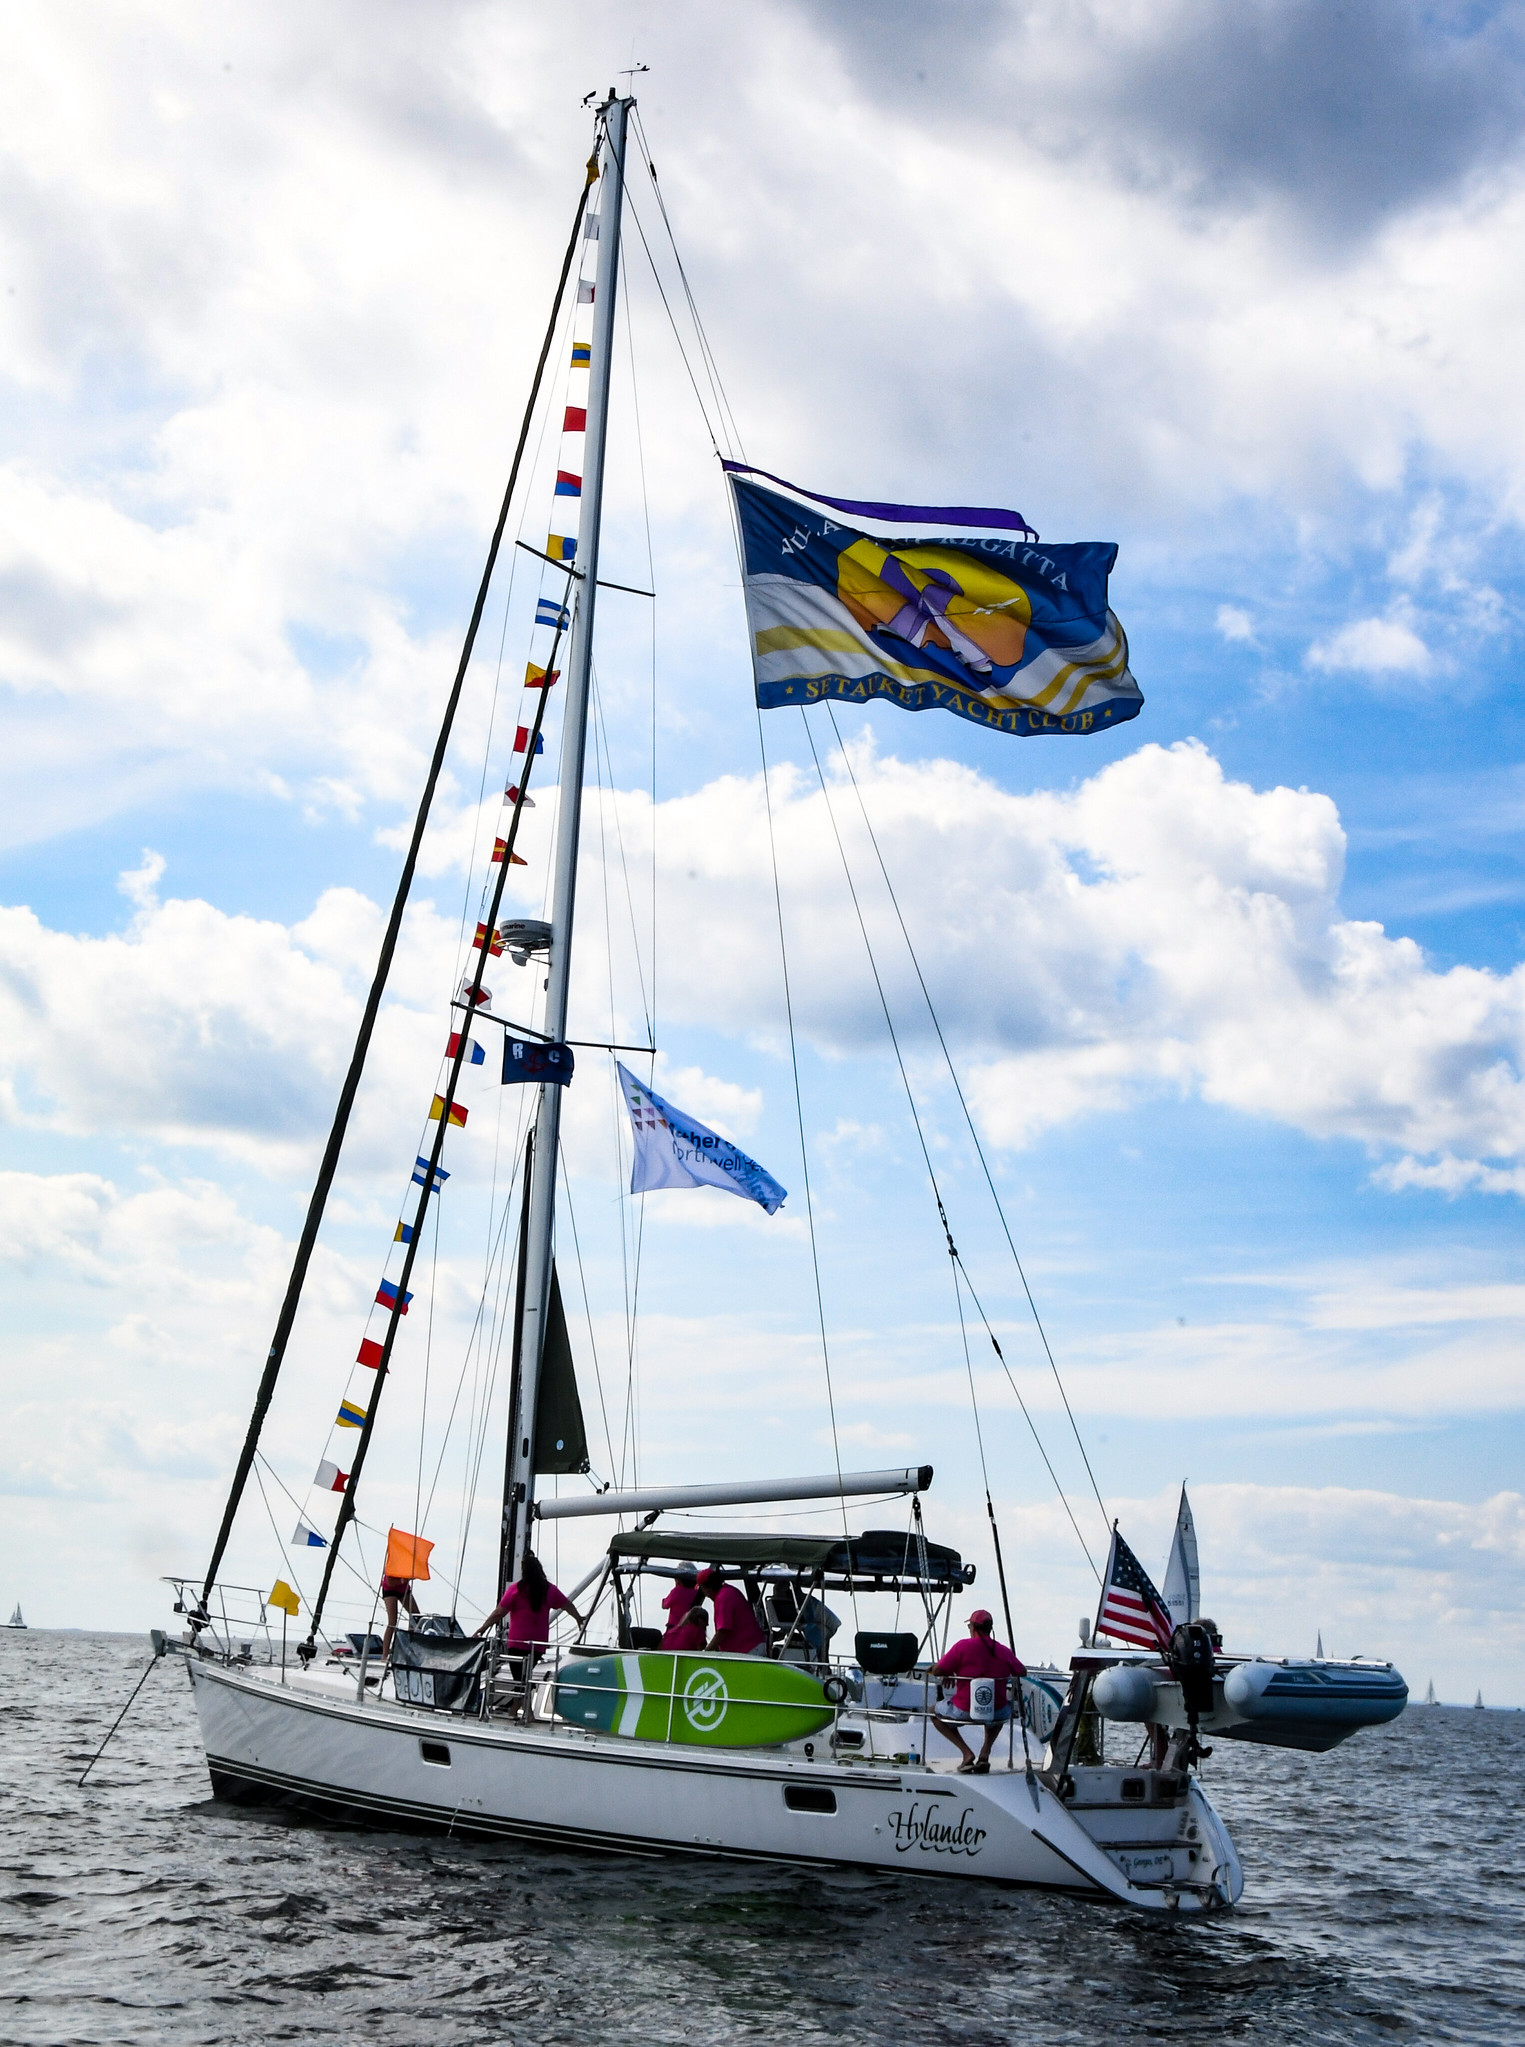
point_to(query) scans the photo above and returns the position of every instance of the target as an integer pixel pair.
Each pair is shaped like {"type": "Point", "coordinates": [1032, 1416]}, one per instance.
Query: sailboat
{"type": "Point", "coordinates": [610, 1741]}
{"type": "Point", "coordinates": [15, 1620]}
{"type": "Point", "coordinates": [1182, 1591]}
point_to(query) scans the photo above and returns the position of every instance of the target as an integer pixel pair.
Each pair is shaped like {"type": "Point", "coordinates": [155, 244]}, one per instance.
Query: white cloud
{"type": "Point", "coordinates": [239, 559]}
{"type": "Point", "coordinates": [1157, 927]}
{"type": "Point", "coordinates": [1235, 625]}
{"type": "Point", "coordinates": [1373, 646]}
{"type": "Point", "coordinates": [1452, 1176]}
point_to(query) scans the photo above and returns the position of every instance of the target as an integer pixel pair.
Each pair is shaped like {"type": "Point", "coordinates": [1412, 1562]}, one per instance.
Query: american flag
{"type": "Point", "coordinates": [1131, 1610]}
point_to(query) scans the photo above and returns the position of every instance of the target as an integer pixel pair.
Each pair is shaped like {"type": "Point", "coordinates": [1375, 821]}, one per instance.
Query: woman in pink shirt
{"type": "Point", "coordinates": [687, 1622]}
{"type": "Point", "coordinates": [528, 1605]}
{"type": "Point", "coordinates": [978, 1655]}
{"type": "Point", "coordinates": [737, 1630]}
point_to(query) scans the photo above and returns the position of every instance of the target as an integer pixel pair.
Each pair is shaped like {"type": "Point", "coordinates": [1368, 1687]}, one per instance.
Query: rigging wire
{"type": "Point", "coordinates": [799, 1111]}
{"type": "Point", "coordinates": [723, 405]}
{"type": "Point", "coordinates": [974, 1134]}
{"type": "Point", "coordinates": [953, 1252]}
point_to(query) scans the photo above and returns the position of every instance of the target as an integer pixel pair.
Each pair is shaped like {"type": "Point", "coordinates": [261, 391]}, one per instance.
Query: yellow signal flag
{"type": "Point", "coordinates": [282, 1595]}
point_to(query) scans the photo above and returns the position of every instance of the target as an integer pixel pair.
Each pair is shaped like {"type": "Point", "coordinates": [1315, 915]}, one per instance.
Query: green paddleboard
{"type": "Point", "coordinates": [714, 1701]}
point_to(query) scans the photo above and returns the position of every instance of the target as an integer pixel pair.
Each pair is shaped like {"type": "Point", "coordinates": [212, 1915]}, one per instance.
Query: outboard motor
{"type": "Point", "coordinates": [1192, 1665]}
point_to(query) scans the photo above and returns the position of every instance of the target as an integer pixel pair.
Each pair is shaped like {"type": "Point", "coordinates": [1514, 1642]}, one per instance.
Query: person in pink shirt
{"type": "Point", "coordinates": [528, 1605]}
{"type": "Point", "coordinates": [738, 1632]}
{"type": "Point", "coordinates": [687, 1622]}
{"type": "Point", "coordinates": [978, 1655]}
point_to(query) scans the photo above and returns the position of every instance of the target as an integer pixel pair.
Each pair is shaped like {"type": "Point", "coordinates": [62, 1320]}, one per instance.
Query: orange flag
{"type": "Point", "coordinates": [407, 1555]}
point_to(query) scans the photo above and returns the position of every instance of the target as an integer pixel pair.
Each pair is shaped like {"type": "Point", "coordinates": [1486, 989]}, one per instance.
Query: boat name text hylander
{"type": "Point", "coordinates": [916, 1829]}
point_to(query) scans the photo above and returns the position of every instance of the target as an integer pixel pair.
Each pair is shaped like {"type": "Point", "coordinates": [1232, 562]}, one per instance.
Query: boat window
{"type": "Point", "coordinates": [1133, 1787]}
{"type": "Point", "coordinates": [809, 1798]}
{"type": "Point", "coordinates": [435, 1752]}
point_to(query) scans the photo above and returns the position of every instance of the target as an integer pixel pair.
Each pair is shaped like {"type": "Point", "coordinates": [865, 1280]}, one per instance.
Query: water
{"type": "Point", "coordinates": [1385, 1886]}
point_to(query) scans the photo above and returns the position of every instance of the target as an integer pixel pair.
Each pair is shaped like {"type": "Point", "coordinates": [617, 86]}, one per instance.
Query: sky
{"type": "Point", "coordinates": [1235, 992]}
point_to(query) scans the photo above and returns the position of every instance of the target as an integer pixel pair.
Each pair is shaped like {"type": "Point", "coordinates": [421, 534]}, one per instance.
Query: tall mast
{"type": "Point", "coordinates": [537, 1271]}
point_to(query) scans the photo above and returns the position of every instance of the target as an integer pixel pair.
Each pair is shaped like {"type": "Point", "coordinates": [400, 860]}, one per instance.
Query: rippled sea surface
{"type": "Point", "coordinates": [1384, 1893]}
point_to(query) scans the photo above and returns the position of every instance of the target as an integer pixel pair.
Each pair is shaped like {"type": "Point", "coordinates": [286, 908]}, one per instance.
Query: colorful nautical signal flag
{"type": "Point", "coordinates": [421, 1168]}
{"type": "Point", "coordinates": [576, 420]}
{"type": "Point", "coordinates": [676, 1150]}
{"type": "Point", "coordinates": [1131, 1610]}
{"type": "Point", "coordinates": [568, 485]}
{"type": "Point", "coordinates": [511, 795]}
{"type": "Point", "coordinates": [527, 1059]}
{"type": "Point", "coordinates": [407, 1555]}
{"type": "Point", "coordinates": [582, 355]}
{"type": "Point", "coordinates": [386, 1293]}
{"type": "Point", "coordinates": [1000, 630]}
{"type": "Point", "coordinates": [308, 1538]}
{"type": "Point", "coordinates": [560, 548]}
{"type": "Point", "coordinates": [328, 1478]}
{"type": "Point", "coordinates": [499, 848]}
{"type": "Point", "coordinates": [522, 740]}
{"type": "Point", "coordinates": [456, 1112]}
{"type": "Point", "coordinates": [369, 1353]}
{"type": "Point", "coordinates": [549, 612]}
{"type": "Point", "coordinates": [489, 938]}
{"type": "Point", "coordinates": [403, 1234]}
{"type": "Point", "coordinates": [463, 995]}
{"type": "Point", "coordinates": [350, 1416]}
{"type": "Point", "coordinates": [536, 678]}
{"type": "Point", "coordinates": [282, 1595]}
{"type": "Point", "coordinates": [474, 1052]}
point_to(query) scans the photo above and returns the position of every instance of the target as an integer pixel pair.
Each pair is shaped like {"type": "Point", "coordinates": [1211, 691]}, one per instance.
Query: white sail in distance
{"type": "Point", "coordinates": [1182, 1590]}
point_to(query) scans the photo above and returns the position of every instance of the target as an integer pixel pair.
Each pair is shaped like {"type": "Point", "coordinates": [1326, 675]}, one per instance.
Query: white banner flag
{"type": "Point", "coordinates": [675, 1150]}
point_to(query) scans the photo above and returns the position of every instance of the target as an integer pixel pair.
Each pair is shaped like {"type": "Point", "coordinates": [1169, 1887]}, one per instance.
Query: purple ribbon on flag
{"type": "Point", "coordinates": [867, 508]}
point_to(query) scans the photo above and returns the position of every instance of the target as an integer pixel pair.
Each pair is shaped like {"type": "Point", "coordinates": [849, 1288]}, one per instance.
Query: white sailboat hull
{"type": "Point", "coordinates": [309, 1742]}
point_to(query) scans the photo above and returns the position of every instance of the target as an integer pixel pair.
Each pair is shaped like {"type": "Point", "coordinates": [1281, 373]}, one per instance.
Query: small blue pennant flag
{"type": "Point", "coordinates": [421, 1174]}
{"type": "Point", "coordinates": [403, 1234]}
{"type": "Point", "coordinates": [549, 612]}
{"type": "Point", "coordinates": [526, 1059]}
{"type": "Point", "coordinates": [308, 1538]}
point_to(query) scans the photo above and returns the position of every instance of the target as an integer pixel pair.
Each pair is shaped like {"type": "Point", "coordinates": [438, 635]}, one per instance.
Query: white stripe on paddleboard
{"type": "Point", "coordinates": [635, 1698]}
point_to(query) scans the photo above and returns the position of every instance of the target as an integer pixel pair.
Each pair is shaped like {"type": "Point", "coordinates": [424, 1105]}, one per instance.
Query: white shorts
{"type": "Point", "coordinates": [962, 1715]}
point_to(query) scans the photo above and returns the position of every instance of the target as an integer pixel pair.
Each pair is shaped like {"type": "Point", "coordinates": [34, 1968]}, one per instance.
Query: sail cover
{"type": "Point", "coordinates": [1005, 631]}
{"type": "Point", "coordinates": [561, 1441]}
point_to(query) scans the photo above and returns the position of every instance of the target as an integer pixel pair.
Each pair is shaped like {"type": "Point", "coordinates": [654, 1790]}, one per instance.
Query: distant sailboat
{"type": "Point", "coordinates": [1477, 1703]}
{"type": "Point", "coordinates": [1319, 1650]}
{"type": "Point", "coordinates": [15, 1620]}
{"type": "Point", "coordinates": [1183, 1584]}
{"type": "Point", "coordinates": [1429, 1694]}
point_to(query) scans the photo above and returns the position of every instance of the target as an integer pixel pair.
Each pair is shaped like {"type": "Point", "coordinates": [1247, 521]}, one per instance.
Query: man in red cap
{"type": "Point", "coordinates": [978, 1655]}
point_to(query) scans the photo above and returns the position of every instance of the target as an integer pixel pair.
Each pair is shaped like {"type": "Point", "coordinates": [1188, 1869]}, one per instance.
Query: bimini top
{"type": "Point", "coordinates": [879, 1554]}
